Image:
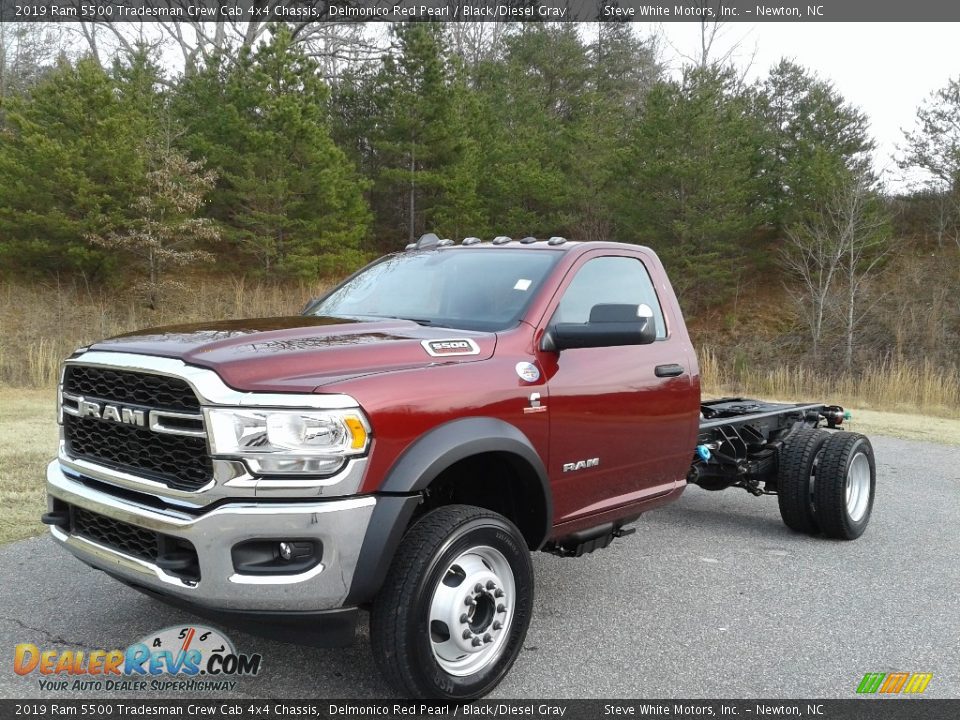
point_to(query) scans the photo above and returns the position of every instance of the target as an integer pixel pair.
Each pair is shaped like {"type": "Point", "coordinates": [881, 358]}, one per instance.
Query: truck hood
{"type": "Point", "coordinates": [301, 353]}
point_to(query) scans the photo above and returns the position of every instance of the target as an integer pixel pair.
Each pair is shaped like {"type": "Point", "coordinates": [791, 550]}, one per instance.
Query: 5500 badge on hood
{"type": "Point", "coordinates": [446, 348]}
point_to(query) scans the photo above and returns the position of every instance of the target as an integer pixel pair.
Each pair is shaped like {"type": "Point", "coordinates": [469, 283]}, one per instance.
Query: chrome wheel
{"type": "Point", "coordinates": [471, 611]}
{"type": "Point", "coordinates": [858, 487]}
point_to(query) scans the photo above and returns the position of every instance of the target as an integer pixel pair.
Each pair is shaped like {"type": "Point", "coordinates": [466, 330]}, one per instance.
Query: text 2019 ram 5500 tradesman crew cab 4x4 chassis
{"type": "Point", "coordinates": [405, 443]}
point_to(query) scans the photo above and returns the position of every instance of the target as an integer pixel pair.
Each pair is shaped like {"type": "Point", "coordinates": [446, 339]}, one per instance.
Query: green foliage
{"type": "Point", "coordinates": [532, 115]}
{"type": "Point", "coordinates": [816, 141]}
{"type": "Point", "coordinates": [287, 195]}
{"type": "Point", "coordinates": [935, 145]}
{"type": "Point", "coordinates": [540, 132]}
{"type": "Point", "coordinates": [70, 166]}
{"type": "Point", "coordinates": [691, 181]}
{"type": "Point", "coordinates": [414, 114]}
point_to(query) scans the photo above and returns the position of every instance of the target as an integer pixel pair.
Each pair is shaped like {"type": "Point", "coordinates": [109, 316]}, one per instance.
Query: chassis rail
{"type": "Point", "coordinates": [740, 440]}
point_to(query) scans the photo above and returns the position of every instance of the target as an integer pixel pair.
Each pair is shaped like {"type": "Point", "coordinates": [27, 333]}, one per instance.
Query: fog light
{"type": "Point", "coordinates": [274, 556]}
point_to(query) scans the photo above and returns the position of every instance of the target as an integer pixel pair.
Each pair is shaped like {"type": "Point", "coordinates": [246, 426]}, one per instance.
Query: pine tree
{"type": "Point", "coordinates": [691, 182]}
{"type": "Point", "coordinates": [535, 115]}
{"type": "Point", "coordinates": [70, 167]}
{"type": "Point", "coordinates": [816, 141]}
{"type": "Point", "coordinates": [423, 159]}
{"type": "Point", "coordinates": [286, 194]}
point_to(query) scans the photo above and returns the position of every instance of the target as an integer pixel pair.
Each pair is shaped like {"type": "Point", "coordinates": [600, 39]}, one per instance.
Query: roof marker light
{"type": "Point", "coordinates": [427, 240]}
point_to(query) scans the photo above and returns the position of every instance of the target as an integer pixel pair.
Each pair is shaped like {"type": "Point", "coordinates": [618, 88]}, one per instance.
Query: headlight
{"type": "Point", "coordinates": [279, 442]}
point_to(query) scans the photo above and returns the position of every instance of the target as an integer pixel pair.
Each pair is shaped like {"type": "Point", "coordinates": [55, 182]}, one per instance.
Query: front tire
{"type": "Point", "coordinates": [454, 609]}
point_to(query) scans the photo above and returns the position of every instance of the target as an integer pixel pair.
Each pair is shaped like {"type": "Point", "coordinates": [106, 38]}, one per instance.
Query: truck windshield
{"type": "Point", "coordinates": [466, 289]}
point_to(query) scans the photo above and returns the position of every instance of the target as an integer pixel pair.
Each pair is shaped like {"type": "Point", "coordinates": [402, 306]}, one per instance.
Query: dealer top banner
{"type": "Point", "coordinates": [478, 10]}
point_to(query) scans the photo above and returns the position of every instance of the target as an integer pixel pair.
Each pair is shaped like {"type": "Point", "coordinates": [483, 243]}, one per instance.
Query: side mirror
{"type": "Point", "coordinates": [608, 326]}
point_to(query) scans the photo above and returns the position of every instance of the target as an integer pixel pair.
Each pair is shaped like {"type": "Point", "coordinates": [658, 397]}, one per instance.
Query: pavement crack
{"type": "Point", "coordinates": [49, 636]}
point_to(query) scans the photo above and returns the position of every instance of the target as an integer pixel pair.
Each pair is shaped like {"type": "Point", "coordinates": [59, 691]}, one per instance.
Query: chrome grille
{"type": "Point", "coordinates": [156, 391]}
{"type": "Point", "coordinates": [173, 453]}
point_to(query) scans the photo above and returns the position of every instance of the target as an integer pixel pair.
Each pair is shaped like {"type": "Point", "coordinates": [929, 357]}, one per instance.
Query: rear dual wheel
{"type": "Point", "coordinates": [799, 457]}
{"type": "Point", "coordinates": [845, 485]}
{"type": "Point", "coordinates": [827, 483]}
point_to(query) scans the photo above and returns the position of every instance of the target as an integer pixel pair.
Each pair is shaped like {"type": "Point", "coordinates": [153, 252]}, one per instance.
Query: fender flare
{"type": "Point", "coordinates": [438, 449]}
{"type": "Point", "coordinates": [419, 465]}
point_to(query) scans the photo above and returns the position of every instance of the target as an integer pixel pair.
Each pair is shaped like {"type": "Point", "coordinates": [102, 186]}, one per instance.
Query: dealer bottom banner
{"type": "Point", "coordinates": [858, 709]}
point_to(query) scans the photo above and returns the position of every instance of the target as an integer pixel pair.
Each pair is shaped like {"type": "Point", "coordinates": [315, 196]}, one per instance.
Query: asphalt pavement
{"type": "Point", "coordinates": [712, 597]}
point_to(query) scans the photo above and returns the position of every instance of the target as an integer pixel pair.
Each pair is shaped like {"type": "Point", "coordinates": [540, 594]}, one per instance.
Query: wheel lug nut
{"type": "Point", "coordinates": [498, 593]}
{"type": "Point", "coordinates": [477, 588]}
{"type": "Point", "coordinates": [466, 634]}
{"type": "Point", "coordinates": [501, 608]}
{"type": "Point", "coordinates": [476, 642]}
{"type": "Point", "coordinates": [464, 618]}
{"type": "Point", "coordinates": [491, 584]}
{"type": "Point", "coordinates": [487, 638]}
{"type": "Point", "coordinates": [469, 601]}
{"type": "Point", "coordinates": [497, 625]}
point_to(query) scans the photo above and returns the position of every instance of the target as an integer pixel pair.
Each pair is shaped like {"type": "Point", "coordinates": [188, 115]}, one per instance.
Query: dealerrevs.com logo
{"type": "Point", "coordinates": [175, 659]}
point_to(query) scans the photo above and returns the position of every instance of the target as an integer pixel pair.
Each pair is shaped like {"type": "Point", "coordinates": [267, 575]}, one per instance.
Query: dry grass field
{"type": "Point", "coordinates": [42, 324]}
{"type": "Point", "coordinates": [923, 388]}
{"type": "Point", "coordinates": [28, 441]}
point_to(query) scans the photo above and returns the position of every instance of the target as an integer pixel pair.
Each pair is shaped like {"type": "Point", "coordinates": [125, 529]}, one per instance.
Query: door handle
{"type": "Point", "coordinates": [668, 370]}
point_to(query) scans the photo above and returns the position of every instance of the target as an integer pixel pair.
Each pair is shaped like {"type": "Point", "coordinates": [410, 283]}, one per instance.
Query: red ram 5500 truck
{"type": "Point", "coordinates": [404, 444]}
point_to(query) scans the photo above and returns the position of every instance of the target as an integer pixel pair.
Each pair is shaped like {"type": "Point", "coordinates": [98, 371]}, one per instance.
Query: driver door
{"type": "Point", "coordinates": [619, 433]}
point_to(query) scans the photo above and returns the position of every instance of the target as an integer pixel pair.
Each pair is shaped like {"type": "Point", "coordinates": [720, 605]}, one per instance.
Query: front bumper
{"type": "Point", "coordinates": [340, 526]}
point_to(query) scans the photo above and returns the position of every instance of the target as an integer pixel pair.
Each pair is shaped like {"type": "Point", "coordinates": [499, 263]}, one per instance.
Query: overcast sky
{"type": "Point", "coordinates": [886, 69]}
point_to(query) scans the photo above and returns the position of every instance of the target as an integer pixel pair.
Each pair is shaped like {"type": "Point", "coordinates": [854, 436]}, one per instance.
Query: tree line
{"type": "Point", "coordinates": [263, 157]}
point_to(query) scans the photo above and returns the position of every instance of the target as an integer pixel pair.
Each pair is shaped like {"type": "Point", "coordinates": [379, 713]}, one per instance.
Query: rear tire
{"type": "Point", "coordinates": [845, 487]}
{"type": "Point", "coordinates": [795, 480]}
{"type": "Point", "coordinates": [454, 609]}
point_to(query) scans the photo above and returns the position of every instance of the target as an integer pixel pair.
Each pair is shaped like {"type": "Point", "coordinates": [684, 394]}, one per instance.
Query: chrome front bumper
{"type": "Point", "coordinates": [340, 525]}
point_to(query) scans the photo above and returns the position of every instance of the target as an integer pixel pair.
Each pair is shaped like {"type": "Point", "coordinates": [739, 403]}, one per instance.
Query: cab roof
{"type": "Point", "coordinates": [431, 241]}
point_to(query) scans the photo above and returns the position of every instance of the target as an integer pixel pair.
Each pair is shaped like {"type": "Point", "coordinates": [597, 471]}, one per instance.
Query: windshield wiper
{"type": "Point", "coordinates": [423, 321]}
{"type": "Point", "coordinates": [419, 321]}
{"type": "Point", "coordinates": [426, 322]}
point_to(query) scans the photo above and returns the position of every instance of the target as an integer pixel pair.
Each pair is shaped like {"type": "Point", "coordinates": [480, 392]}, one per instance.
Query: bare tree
{"type": "Point", "coordinates": [475, 42]}
{"type": "Point", "coordinates": [833, 255]}
{"type": "Point", "coordinates": [165, 230]}
{"type": "Point", "coordinates": [946, 216]}
{"type": "Point", "coordinates": [864, 242]}
{"type": "Point", "coordinates": [25, 50]}
{"type": "Point", "coordinates": [812, 255]}
{"type": "Point", "coordinates": [716, 48]}
{"type": "Point", "coordinates": [333, 44]}
{"type": "Point", "coordinates": [108, 40]}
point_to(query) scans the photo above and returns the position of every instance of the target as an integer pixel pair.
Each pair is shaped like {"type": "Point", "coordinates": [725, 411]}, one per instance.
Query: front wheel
{"type": "Point", "coordinates": [454, 609]}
